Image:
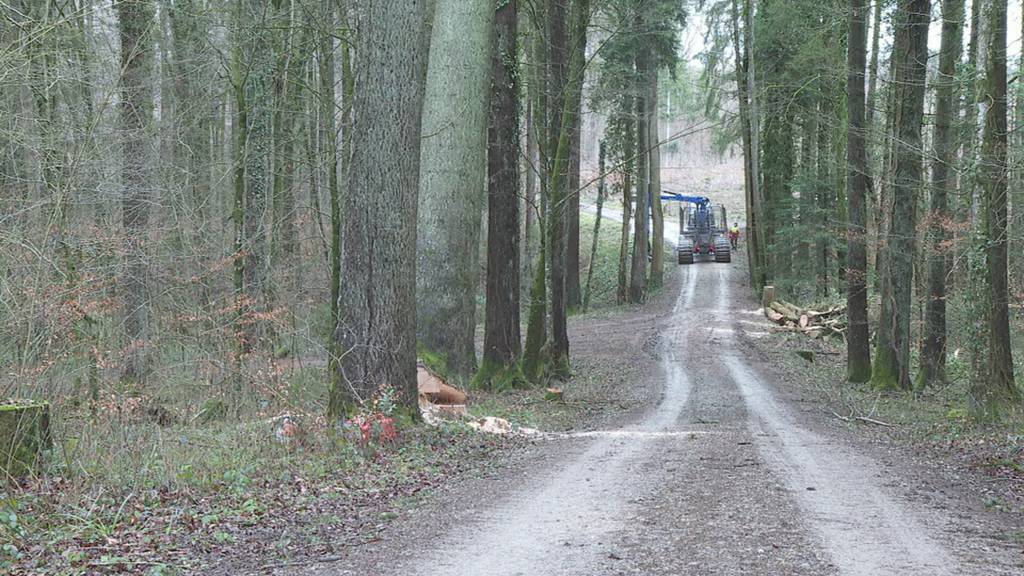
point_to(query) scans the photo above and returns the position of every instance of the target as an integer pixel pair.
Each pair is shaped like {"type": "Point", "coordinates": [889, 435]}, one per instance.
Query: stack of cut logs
{"type": "Point", "coordinates": [814, 323]}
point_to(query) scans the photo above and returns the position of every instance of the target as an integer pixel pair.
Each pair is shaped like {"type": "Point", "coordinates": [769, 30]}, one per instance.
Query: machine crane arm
{"type": "Point", "coordinates": [701, 201]}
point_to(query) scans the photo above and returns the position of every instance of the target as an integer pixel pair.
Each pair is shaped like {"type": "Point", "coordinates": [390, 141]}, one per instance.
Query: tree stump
{"type": "Point", "coordinates": [767, 297]}
{"type": "Point", "coordinates": [553, 395]}
{"type": "Point", "coordinates": [24, 434]}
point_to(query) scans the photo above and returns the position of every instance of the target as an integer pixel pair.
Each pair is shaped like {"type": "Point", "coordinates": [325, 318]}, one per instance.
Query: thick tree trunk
{"type": "Point", "coordinates": [135, 21]}
{"type": "Point", "coordinates": [654, 168]}
{"type": "Point", "coordinates": [573, 297]}
{"type": "Point", "coordinates": [256, 75]}
{"type": "Point", "coordinates": [501, 322]}
{"type": "Point", "coordinates": [452, 178]}
{"type": "Point", "coordinates": [639, 262]}
{"type": "Point", "coordinates": [910, 54]}
{"type": "Point", "coordinates": [996, 384]}
{"type": "Point", "coordinates": [858, 352]}
{"type": "Point", "coordinates": [566, 74]}
{"type": "Point", "coordinates": [761, 228]}
{"type": "Point", "coordinates": [750, 184]}
{"type": "Point", "coordinates": [376, 331]}
{"type": "Point", "coordinates": [933, 342]}
{"type": "Point", "coordinates": [629, 147]}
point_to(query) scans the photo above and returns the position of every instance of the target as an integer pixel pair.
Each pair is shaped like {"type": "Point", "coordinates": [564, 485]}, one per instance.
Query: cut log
{"type": "Point", "coordinates": [775, 316]}
{"type": "Point", "coordinates": [24, 436]}
{"type": "Point", "coordinates": [788, 313]}
{"type": "Point", "coordinates": [796, 310]}
{"type": "Point", "coordinates": [449, 395]}
{"type": "Point", "coordinates": [805, 321]}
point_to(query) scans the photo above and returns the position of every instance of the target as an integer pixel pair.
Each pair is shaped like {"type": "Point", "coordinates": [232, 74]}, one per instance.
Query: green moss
{"type": "Point", "coordinates": [883, 376]}
{"type": "Point", "coordinates": [499, 377]}
{"type": "Point", "coordinates": [436, 362]}
{"type": "Point", "coordinates": [24, 435]}
{"type": "Point", "coordinates": [858, 372]}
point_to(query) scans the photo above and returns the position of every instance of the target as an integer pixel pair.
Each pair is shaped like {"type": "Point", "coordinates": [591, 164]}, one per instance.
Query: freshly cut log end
{"type": "Point", "coordinates": [767, 297]}
{"type": "Point", "coordinates": [24, 436]}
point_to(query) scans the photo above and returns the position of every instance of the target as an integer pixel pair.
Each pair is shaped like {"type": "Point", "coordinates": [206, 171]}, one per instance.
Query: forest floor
{"type": "Point", "coordinates": [710, 452]}
{"type": "Point", "coordinates": [692, 440]}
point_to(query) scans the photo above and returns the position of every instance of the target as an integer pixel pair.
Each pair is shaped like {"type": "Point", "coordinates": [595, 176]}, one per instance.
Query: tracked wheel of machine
{"type": "Point", "coordinates": [722, 250]}
{"type": "Point", "coordinates": [684, 252]}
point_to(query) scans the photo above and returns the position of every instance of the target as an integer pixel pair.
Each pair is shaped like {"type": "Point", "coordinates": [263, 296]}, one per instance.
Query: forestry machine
{"type": "Point", "coordinates": [702, 229]}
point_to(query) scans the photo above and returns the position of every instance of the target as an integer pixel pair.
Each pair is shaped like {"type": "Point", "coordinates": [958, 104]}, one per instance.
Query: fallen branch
{"type": "Point", "coordinates": [853, 418]}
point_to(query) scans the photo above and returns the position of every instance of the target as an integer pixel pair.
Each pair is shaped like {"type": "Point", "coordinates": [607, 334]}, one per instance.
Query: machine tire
{"type": "Point", "coordinates": [722, 252]}
{"type": "Point", "coordinates": [684, 252]}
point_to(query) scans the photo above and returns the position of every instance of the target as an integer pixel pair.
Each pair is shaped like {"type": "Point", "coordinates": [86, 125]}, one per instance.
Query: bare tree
{"type": "Point", "coordinates": [135, 21]}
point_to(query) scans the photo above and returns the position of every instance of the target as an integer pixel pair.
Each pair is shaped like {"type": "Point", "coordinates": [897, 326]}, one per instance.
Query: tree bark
{"type": "Point", "coordinates": [329, 141]}
{"type": "Point", "coordinates": [257, 78]}
{"type": "Point", "coordinates": [135, 21]}
{"type": "Point", "coordinates": [996, 385]}
{"type": "Point", "coordinates": [629, 152]}
{"type": "Point", "coordinates": [453, 173]}
{"type": "Point", "coordinates": [750, 179]}
{"type": "Point", "coordinates": [858, 352]}
{"type": "Point", "coordinates": [597, 224]}
{"type": "Point", "coordinates": [760, 224]}
{"type": "Point", "coordinates": [639, 262]}
{"type": "Point", "coordinates": [654, 168]}
{"type": "Point", "coordinates": [933, 342]}
{"type": "Point", "coordinates": [573, 296]}
{"type": "Point", "coordinates": [376, 331]}
{"type": "Point", "coordinates": [501, 321]}
{"type": "Point", "coordinates": [910, 54]}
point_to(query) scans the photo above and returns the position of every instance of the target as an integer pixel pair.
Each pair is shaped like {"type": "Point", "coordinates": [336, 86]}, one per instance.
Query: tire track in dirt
{"type": "Point", "coordinates": [565, 523]}
{"type": "Point", "coordinates": [864, 531]}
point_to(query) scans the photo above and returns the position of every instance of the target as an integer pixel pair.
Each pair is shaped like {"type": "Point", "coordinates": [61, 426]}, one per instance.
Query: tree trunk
{"type": "Point", "coordinates": [910, 53]}
{"type": "Point", "coordinates": [629, 151]}
{"type": "Point", "coordinates": [531, 208]}
{"type": "Point", "coordinates": [329, 142]}
{"type": "Point", "coordinates": [566, 73]}
{"type": "Point", "coordinates": [573, 297]}
{"type": "Point", "coordinates": [376, 330]}
{"type": "Point", "coordinates": [654, 168]}
{"type": "Point", "coordinates": [135, 21]}
{"type": "Point", "coordinates": [257, 82]}
{"type": "Point", "coordinates": [933, 342]}
{"type": "Point", "coordinates": [876, 34]}
{"type": "Point", "coordinates": [597, 224]}
{"type": "Point", "coordinates": [858, 353]}
{"type": "Point", "coordinates": [760, 222]}
{"type": "Point", "coordinates": [638, 265]}
{"type": "Point", "coordinates": [453, 172]}
{"type": "Point", "coordinates": [750, 180]}
{"type": "Point", "coordinates": [996, 384]}
{"type": "Point", "coordinates": [501, 322]}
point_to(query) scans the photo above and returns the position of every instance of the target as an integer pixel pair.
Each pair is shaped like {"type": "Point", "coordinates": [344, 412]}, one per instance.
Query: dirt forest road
{"type": "Point", "coordinates": [723, 473]}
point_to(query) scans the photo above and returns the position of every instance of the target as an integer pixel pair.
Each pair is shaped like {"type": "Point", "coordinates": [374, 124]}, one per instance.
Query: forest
{"type": "Point", "coordinates": [234, 235]}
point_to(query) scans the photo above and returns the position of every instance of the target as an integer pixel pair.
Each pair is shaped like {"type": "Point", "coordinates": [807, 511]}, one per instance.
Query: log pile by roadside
{"type": "Point", "coordinates": [814, 323]}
